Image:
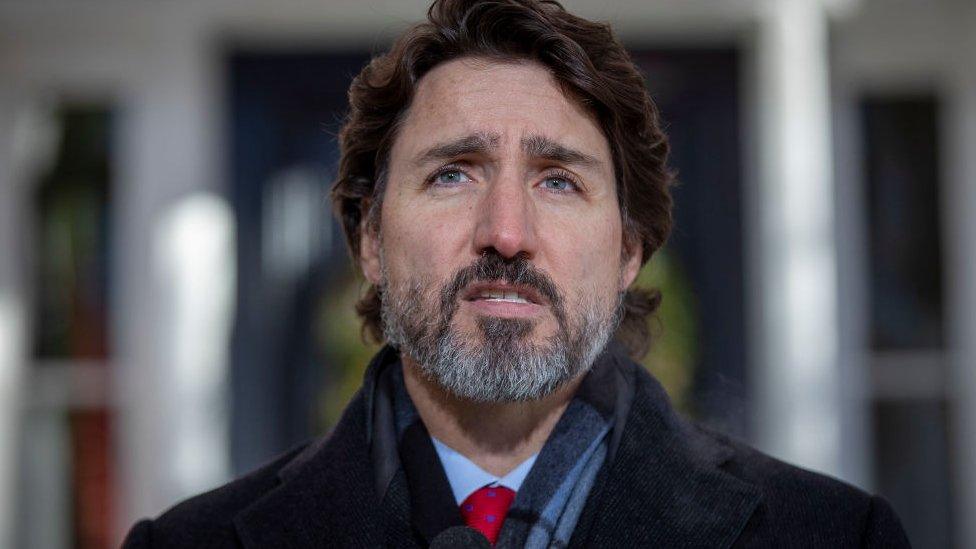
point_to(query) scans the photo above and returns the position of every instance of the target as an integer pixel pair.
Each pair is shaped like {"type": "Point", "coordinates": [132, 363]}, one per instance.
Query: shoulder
{"type": "Point", "coordinates": [796, 490]}
{"type": "Point", "coordinates": [207, 519]}
{"type": "Point", "coordinates": [797, 507]}
{"type": "Point", "coordinates": [801, 507]}
{"type": "Point", "coordinates": [213, 519]}
{"type": "Point", "coordinates": [778, 481]}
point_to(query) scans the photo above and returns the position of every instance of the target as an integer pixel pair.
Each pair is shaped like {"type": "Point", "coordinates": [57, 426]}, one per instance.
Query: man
{"type": "Point", "coordinates": [503, 178]}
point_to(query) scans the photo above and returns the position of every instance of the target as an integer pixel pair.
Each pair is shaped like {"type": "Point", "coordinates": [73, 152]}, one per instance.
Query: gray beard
{"type": "Point", "coordinates": [505, 365]}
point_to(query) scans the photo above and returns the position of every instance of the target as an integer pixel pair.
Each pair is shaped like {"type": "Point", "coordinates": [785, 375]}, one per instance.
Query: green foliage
{"type": "Point", "coordinates": [345, 351]}
{"type": "Point", "coordinates": [674, 327]}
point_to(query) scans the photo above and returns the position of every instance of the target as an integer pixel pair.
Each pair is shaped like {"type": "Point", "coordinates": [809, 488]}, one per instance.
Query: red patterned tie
{"type": "Point", "coordinates": [485, 509]}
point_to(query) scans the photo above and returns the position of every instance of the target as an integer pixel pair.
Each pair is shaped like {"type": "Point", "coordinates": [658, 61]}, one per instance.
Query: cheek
{"type": "Point", "coordinates": [591, 254]}
{"type": "Point", "coordinates": [422, 245]}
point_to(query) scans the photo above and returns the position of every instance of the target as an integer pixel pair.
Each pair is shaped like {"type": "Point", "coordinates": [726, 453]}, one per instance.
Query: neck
{"type": "Point", "coordinates": [515, 432]}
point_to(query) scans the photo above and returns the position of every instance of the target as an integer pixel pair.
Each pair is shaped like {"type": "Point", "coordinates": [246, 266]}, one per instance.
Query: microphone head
{"type": "Point", "coordinates": [460, 536]}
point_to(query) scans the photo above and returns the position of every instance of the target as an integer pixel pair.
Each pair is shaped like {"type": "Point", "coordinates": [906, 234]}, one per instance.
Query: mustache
{"type": "Point", "coordinates": [490, 267]}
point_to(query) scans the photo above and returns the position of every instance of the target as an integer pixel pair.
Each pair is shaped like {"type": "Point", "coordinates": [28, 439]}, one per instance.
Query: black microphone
{"type": "Point", "coordinates": [460, 536]}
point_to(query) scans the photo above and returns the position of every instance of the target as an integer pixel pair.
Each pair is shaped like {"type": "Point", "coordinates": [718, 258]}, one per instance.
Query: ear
{"type": "Point", "coordinates": [632, 260]}
{"type": "Point", "coordinates": [369, 253]}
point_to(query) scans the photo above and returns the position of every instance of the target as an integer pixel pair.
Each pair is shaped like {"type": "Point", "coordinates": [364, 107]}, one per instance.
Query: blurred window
{"type": "Point", "coordinates": [911, 454]}
{"type": "Point", "coordinates": [286, 109]}
{"type": "Point", "coordinates": [66, 480]}
{"type": "Point", "coordinates": [297, 352]}
{"type": "Point", "coordinates": [72, 241]}
{"type": "Point", "coordinates": [906, 246]}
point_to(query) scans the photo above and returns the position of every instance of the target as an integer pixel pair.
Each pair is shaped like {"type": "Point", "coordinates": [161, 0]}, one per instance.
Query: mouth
{"type": "Point", "coordinates": [504, 299]}
{"type": "Point", "coordinates": [502, 292]}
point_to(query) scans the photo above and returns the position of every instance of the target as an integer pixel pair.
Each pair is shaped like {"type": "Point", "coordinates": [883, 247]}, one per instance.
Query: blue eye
{"type": "Point", "coordinates": [450, 178]}
{"type": "Point", "coordinates": [558, 183]}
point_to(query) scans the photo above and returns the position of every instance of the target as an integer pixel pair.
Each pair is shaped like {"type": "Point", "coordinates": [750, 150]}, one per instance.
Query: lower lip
{"type": "Point", "coordinates": [506, 309]}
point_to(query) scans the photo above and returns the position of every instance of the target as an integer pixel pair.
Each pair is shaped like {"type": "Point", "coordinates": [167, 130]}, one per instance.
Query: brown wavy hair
{"type": "Point", "coordinates": [587, 61]}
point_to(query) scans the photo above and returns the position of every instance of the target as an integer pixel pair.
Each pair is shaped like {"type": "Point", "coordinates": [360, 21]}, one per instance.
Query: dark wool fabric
{"type": "Point", "coordinates": [665, 483]}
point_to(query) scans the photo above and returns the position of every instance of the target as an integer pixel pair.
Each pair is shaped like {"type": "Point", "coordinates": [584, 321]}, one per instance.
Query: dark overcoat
{"type": "Point", "coordinates": [667, 483]}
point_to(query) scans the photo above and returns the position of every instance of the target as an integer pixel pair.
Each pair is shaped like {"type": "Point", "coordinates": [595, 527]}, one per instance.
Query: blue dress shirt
{"type": "Point", "coordinates": [466, 477]}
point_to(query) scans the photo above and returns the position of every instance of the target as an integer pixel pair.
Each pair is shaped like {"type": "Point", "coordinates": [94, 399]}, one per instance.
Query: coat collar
{"type": "Point", "coordinates": [665, 486]}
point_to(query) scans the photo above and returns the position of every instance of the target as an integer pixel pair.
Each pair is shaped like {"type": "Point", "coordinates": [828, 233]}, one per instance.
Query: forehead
{"type": "Point", "coordinates": [511, 99]}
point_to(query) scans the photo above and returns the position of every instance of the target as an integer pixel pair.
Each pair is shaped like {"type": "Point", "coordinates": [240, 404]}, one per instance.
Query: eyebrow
{"type": "Point", "coordinates": [475, 143]}
{"type": "Point", "coordinates": [540, 146]}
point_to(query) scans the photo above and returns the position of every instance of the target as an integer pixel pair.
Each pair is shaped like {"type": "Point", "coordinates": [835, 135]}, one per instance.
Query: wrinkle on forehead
{"type": "Point", "coordinates": [478, 73]}
{"type": "Point", "coordinates": [469, 105]}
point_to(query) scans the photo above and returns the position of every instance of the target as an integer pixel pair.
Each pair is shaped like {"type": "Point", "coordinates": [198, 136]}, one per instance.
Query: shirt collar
{"type": "Point", "coordinates": [465, 477]}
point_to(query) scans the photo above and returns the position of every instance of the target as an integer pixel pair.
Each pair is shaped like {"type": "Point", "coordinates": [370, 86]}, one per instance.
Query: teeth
{"type": "Point", "coordinates": [498, 295]}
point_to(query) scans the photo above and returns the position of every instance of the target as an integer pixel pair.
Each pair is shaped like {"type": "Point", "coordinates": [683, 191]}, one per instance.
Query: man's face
{"type": "Point", "coordinates": [499, 254]}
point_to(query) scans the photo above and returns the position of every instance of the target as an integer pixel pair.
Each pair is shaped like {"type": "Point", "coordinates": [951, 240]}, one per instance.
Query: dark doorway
{"type": "Point", "coordinates": [285, 110]}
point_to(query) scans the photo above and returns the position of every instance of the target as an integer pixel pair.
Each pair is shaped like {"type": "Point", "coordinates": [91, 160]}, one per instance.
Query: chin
{"type": "Point", "coordinates": [482, 329]}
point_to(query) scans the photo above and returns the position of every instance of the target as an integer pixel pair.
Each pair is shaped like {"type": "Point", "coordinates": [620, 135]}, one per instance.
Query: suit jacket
{"type": "Point", "coordinates": [668, 483]}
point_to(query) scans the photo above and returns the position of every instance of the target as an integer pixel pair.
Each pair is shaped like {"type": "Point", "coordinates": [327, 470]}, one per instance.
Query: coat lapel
{"type": "Point", "coordinates": [664, 487]}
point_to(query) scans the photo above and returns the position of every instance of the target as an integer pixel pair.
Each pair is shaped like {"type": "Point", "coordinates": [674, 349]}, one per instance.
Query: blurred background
{"type": "Point", "coordinates": [176, 298]}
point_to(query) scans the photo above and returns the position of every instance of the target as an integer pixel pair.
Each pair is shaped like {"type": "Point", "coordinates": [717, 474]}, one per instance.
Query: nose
{"type": "Point", "coordinates": [506, 220]}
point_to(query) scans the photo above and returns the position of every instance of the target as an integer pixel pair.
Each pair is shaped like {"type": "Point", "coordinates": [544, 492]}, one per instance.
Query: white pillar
{"type": "Point", "coordinates": [959, 205]}
{"type": "Point", "coordinates": [172, 327]}
{"type": "Point", "coordinates": [793, 278]}
{"type": "Point", "coordinates": [854, 358]}
{"type": "Point", "coordinates": [12, 324]}
{"type": "Point", "coordinates": [27, 147]}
